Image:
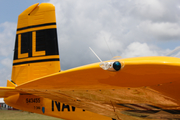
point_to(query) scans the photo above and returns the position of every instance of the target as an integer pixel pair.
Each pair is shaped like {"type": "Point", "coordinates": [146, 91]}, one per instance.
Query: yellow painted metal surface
{"type": "Point", "coordinates": [35, 58]}
{"type": "Point", "coordinates": [37, 14]}
{"type": "Point", "coordinates": [145, 88]}
{"type": "Point", "coordinates": [20, 55]}
{"type": "Point", "coordinates": [28, 66]}
{"type": "Point", "coordinates": [34, 52]}
{"type": "Point", "coordinates": [137, 72]}
{"type": "Point", "coordinates": [49, 107]}
{"type": "Point", "coordinates": [7, 91]}
{"type": "Point", "coordinates": [10, 84]}
{"type": "Point", "coordinates": [26, 72]}
{"type": "Point", "coordinates": [111, 93]}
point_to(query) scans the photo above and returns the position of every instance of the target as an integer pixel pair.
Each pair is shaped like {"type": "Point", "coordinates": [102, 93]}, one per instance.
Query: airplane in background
{"type": "Point", "coordinates": [120, 89]}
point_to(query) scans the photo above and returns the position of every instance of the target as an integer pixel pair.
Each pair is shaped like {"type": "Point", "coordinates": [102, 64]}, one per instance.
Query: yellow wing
{"type": "Point", "coordinates": [137, 72]}
{"type": "Point", "coordinates": [131, 91]}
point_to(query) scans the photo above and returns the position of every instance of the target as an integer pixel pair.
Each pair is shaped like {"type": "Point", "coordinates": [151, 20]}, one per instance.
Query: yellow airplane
{"type": "Point", "coordinates": [121, 89]}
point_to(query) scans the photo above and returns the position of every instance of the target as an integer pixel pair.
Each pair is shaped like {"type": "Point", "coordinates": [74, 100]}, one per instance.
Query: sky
{"type": "Point", "coordinates": [130, 28]}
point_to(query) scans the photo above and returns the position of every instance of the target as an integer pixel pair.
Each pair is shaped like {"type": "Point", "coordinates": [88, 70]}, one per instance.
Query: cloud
{"type": "Point", "coordinates": [162, 31]}
{"type": "Point", "coordinates": [123, 28]}
{"type": "Point", "coordinates": [148, 9]}
{"type": "Point", "coordinates": [5, 74]}
{"type": "Point", "coordinates": [7, 62]}
{"type": "Point", "coordinates": [137, 49]}
{"type": "Point", "coordinates": [7, 40]}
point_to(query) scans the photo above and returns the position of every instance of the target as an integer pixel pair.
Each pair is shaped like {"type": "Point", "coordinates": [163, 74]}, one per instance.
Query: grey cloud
{"type": "Point", "coordinates": [7, 62]}
{"type": "Point", "coordinates": [137, 49]}
{"type": "Point", "coordinates": [5, 74]}
{"type": "Point", "coordinates": [163, 30]}
{"type": "Point", "coordinates": [121, 24]}
{"type": "Point", "coordinates": [7, 40]}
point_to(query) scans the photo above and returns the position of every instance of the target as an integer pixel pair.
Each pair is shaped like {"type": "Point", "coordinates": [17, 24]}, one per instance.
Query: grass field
{"type": "Point", "coordinates": [19, 115]}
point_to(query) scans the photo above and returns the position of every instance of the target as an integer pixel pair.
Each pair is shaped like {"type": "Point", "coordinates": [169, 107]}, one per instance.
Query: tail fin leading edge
{"type": "Point", "coordinates": [36, 46]}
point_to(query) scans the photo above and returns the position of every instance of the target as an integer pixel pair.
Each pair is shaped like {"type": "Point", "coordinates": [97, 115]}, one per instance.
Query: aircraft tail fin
{"type": "Point", "coordinates": [36, 46]}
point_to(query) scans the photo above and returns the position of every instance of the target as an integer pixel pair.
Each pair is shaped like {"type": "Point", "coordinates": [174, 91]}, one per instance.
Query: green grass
{"type": "Point", "coordinates": [21, 115]}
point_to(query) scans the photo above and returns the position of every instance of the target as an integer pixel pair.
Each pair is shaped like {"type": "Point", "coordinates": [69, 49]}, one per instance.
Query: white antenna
{"type": "Point", "coordinates": [108, 47]}
{"type": "Point", "coordinates": [95, 54]}
{"type": "Point", "coordinates": [173, 51]}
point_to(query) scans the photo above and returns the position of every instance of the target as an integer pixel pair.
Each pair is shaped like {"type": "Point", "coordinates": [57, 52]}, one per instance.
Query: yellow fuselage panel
{"type": "Point", "coordinates": [49, 107]}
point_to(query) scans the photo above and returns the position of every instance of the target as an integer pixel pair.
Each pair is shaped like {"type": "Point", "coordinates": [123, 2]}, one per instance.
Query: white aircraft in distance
{"type": "Point", "coordinates": [122, 89]}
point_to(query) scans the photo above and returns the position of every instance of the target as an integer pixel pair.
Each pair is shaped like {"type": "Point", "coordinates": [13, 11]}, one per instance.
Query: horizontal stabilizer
{"type": "Point", "coordinates": [7, 91]}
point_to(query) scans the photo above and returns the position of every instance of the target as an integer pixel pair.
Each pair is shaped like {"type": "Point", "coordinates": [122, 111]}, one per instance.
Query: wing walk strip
{"type": "Point", "coordinates": [36, 59]}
